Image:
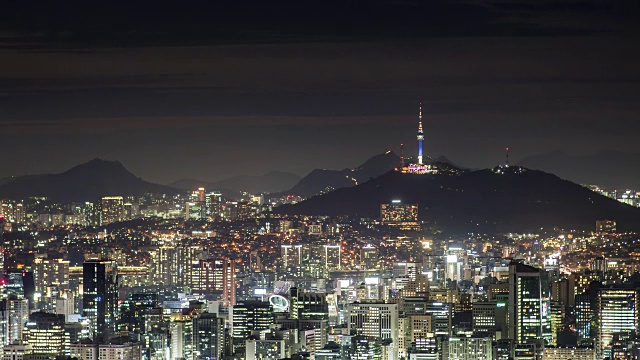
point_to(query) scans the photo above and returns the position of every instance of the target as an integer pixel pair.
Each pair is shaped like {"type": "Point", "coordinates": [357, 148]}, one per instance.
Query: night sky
{"type": "Point", "coordinates": [207, 90]}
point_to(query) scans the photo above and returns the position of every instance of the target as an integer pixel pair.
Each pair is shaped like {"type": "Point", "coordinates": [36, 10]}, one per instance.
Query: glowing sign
{"type": "Point", "coordinates": [279, 303]}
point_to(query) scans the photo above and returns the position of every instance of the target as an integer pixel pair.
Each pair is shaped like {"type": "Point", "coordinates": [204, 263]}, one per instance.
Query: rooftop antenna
{"type": "Point", "coordinates": [507, 156]}
{"type": "Point", "coordinates": [401, 155]}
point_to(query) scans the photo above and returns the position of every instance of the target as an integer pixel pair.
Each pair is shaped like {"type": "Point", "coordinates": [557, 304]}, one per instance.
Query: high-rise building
{"type": "Point", "coordinates": [525, 307]}
{"type": "Point", "coordinates": [291, 255]}
{"type": "Point", "coordinates": [308, 306]}
{"type": "Point", "coordinates": [208, 336]}
{"type": "Point", "coordinates": [16, 315]}
{"type": "Point", "coordinates": [181, 335]}
{"type": "Point", "coordinates": [214, 276]}
{"type": "Point", "coordinates": [332, 257]}
{"type": "Point", "coordinates": [50, 272]}
{"type": "Point", "coordinates": [617, 312]}
{"type": "Point", "coordinates": [112, 209]}
{"type": "Point", "coordinates": [45, 333]}
{"type": "Point", "coordinates": [369, 258]}
{"type": "Point", "coordinates": [489, 318]}
{"type": "Point", "coordinates": [375, 320]}
{"type": "Point", "coordinates": [366, 348]}
{"type": "Point", "coordinates": [248, 316]}
{"type": "Point", "coordinates": [100, 297]}
{"type": "Point", "coordinates": [584, 314]}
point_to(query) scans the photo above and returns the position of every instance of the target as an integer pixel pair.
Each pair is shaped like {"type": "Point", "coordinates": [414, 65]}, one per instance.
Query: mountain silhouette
{"type": "Point", "coordinates": [510, 200]}
{"type": "Point", "coordinates": [320, 181]}
{"type": "Point", "coordinates": [86, 182]}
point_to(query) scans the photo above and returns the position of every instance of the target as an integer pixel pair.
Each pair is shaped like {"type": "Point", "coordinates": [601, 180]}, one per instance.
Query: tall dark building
{"type": "Point", "coordinates": [208, 336]}
{"type": "Point", "coordinates": [248, 316]}
{"type": "Point", "coordinates": [100, 298]}
{"type": "Point", "coordinates": [528, 307]}
{"type": "Point", "coordinates": [306, 306]}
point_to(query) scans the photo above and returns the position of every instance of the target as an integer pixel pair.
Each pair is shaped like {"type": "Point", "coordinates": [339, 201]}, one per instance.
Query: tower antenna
{"type": "Point", "coordinates": [507, 157]}
{"type": "Point", "coordinates": [420, 135]}
{"type": "Point", "coordinates": [401, 155]}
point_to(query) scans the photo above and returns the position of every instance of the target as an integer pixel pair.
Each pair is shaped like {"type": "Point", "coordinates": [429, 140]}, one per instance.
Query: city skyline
{"type": "Point", "coordinates": [333, 180]}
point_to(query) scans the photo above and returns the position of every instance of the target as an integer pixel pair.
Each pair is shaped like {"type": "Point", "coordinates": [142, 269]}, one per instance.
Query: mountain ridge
{"type": "Point", "coordinates": [320, 181]}
{"type": "Point", "coordinates": [518, 199]}
{"type": "Point", "coordinates": [88, 181]}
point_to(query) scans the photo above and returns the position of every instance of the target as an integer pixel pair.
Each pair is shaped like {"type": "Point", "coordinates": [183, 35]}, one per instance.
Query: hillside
{"type": "Point", "coordinates": [478, 201]}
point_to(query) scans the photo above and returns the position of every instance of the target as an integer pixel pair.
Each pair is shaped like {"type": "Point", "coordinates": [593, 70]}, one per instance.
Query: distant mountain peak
{"type": "Point", "coordinates": [99, 164]}
{"type": "Point", "coordinates": [85, 182]}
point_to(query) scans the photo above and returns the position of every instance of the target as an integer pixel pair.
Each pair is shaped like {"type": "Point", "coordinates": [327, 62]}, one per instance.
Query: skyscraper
{"type": "Point", "coordinates": [248, 316]}
{"type": "Point", "coordinates": [100, 298]}
{"type": "Point", "coordinates": [208, 337]}
{"type": "Point", "coordinates": [332, 257]}
{"type": "Point", "coordinates": [112, 209]}
{"type": "Point", "coordinates": [291, 255]}
{"type": "Point", "coordinates": [375, 320]}
{"type": "Point", "coordinates": [45, 334]}
{"type": "Point", "coordinates": [525, 308]}
{"type": "Point", "coordinates": [617, 312]}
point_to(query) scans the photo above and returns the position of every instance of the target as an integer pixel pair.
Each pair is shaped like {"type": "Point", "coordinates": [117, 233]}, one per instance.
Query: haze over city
{"type": "Point", "coordinates": [334, 180]}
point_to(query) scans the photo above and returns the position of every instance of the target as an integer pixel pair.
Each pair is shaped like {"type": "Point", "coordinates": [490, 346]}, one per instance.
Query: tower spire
{"type": "Point", "coordinates": [420, 135]}
{"type": "Point", "coordinates": [507, 156]}
{"type": "Point", "coordinates": [401, 155]}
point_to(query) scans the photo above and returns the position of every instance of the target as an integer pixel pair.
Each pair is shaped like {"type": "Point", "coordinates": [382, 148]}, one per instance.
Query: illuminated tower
{"type": "Point", "coordinates": [420, 136]}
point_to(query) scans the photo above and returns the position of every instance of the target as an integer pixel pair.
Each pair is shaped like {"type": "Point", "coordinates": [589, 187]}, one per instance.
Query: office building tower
{"type": "Point", "coordinates": [307, 305]}
{"type": "Point", "coordinates": [617, 312]}
{"type": "Point", "coordinates": [584, 316]}
{"type": "Point", "coordinates": [112, 209]}
{"type": "Point", "coordinates": [15, 313]}
{"type": "Point", "coordinates": [489, 319]}
{"type": "Point", "coordinates": [248, 316]}
{"type": "Point", "coordinates": [375, 320]}
{"type": "Point", "coordinates": [557, 311]}
{"type": "Point", "coordinates": [408, 269]}
{"type": "Point", "coordinates": [442, 317]}
{"type": "Point", "coordinates": [214, 276]}
{"type": "Point", "coordinates": [291, 255]}
{"type": "Point", "coordinates": [46, 335]}
{"type": "Point", "coordinates": [332, 257]}
{"type": "Point", "coordinates": [181, 335]}
{"type": "Point", "coordinates": [208, 337]}
{"type": "Point", "coordinates": [369, 258]}
{"type": "Point", "coordinates": [50, 272]}
{"type": "Point", "coordinates": [525, 308]}
{"type": "Point", "coordinates": [100, 297]}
